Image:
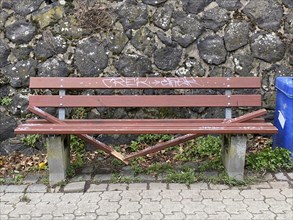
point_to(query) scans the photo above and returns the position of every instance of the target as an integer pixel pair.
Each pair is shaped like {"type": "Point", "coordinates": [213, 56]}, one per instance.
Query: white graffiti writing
{"type": "Point", "coordinates": [117, 82]}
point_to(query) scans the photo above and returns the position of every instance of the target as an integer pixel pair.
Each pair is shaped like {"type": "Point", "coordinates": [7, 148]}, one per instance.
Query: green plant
{"type": "Point", "coordinates": [31, 140]}
{"type": "Point", "coordinates": [208, 147]}
{"type": "Point", "coordinates": [18, 178]}
{"type": "Point", "coordinates": [79, 113]}
{"type": "Point", "coordinates": [25, 198]}
{"type": "Point", "coordinates": [117, 178]}
{"type": "Point", "coordinates": [186, 176]}
{"type": "Point", "coordinates": [77, 147]}
{"type": "Point", "coordinates": [269, 160]}
{"type": "Point", "coordinates": [157, 168]}
{"type": "Point", "coordinates": [5, 100]}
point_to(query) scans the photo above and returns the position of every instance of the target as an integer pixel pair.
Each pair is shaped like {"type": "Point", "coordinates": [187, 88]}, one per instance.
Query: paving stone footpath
{"type": "Point", "coordinates": [154, 200]}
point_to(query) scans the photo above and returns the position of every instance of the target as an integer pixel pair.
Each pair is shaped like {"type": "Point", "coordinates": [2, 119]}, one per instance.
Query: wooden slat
{"type": "Point", "coordinates": [216, 128]}
{"type": "Point", "coordinates": [143, 82]}
{"type": "Point", "coordinates": [138, 121]}
{"type": "Point", "coordinates": [145, 101]}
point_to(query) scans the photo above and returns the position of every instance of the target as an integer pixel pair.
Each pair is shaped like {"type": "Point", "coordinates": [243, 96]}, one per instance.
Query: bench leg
{"type": "Point", "coordinates": [233, 155]}
{"type": "Point", "coordinates": [58, 151]}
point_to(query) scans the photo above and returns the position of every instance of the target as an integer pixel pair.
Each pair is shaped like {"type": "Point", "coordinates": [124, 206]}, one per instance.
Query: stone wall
{"type": "Point", "coordinates": [138, 38]}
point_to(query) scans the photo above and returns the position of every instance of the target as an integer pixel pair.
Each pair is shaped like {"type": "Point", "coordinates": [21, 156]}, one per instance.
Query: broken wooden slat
{"type": "Point", "coordinates": [187, 137]}
{"type": "Point", "coordinates": [85, 137]}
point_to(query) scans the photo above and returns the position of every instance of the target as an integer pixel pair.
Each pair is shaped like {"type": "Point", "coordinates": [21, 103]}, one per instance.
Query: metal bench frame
{"type": "Point", "coordinates": [250, 123]}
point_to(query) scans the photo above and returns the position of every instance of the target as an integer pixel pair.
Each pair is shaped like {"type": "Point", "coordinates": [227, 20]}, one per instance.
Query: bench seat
{"type": "Point", "coordinates": [139, 127]}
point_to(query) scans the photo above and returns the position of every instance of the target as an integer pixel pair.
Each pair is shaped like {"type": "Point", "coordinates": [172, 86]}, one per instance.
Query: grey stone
{"type": "Point", "coordinates": [133, 15]}
{"type": "Point", "coordinates": [90, 57]}
{"type": "Point", "coordinates": [290, 175]}
{"type": "Point", "coordinates": [31, 179]}
{"type": "Point", "coordinates": [11, 145]}
{"type": "Point", "coordinates": [53, 68]}
{"type": "Point", "coordinates": [158, 186]}
{"type": "Point", "coordinates": [280, 185]}
{"type": "Point", "coordinates": [133, 65]}
{"type": "Point", "coordinates": [48, 15]}
{"type": "Point", "coordinates": [22, 53]}
{"type": "Point", "coordinates": [19, 105]}
{"type": "Point", "coordinates": [167, 40]}
{"type": "Point", "coordinates": [167, 58]}
{"type": "Point", "coordinates": [15, 188]}
{"type": "Point", "coordinates": [186, 28]}
{"type": "Point", "coordinates": [266, 13]}
{"type": "Point", "coordinates": [74, 187]}
{"type": "Point", "coordinates": [243, 64]}
{"type": "Point", "coordinates": [288, 27]}
{"type": "Point", "coordinates": [117, 186]}
{"type": "Point", "coordinates": [97, 187]}
{"type": "Point", "coordinates": [212, 50]}
{"type": "Point", "coordinates": [3, 18]}
{"type": "Point", "coordinates": [20, 32]}
{"type": "Point", "coordinates": [267, 47]}
{"type": "Point", "coordinates": [215, 18]}
{"type": "Point", "coordinates": [26, 7]}
{"type": "Point", "coordinates": [236, 35]}
{"type": "Point", "coordinates": [177, 186]}
{"type": "Point", "coordinates": [268, 177]}
{"type": "Point", "coordinates": [20, 72]}
{"type": "Point", "coordinates": [49, 46]}
{"type": "Point", "coordinates": [87, 169]}
{"type": "Point", "coordinates": [145, 178]}
{"type": "Point", "coordinates": [137, 186]}
{"type": "Point", "coordinates": [195, 7]}
{"type": "Point", "coordinates": [288, 3]}
{"type": "Point", "coordinates": [81, 177]}
{"type": "Point", "coordinates": [144, 41]}
{"type": "Point", "coordinates": [103, 177]}
{"type": "Point", "coordinates": [2, 188]}
{"type": "Point", "coordinates": [230, 5]}
{"type": "Point", "coordinates": [291, 55]}
{"type": "Point", "coordinates": [162, 16]}
{"type": "Point", "coordinates": [233, 155]}
{"type": "Point", "coordinates": [281, 176]}
{"type": "Point", "coordinates": [58, 151]}
{"type": "Point", "coordinates": [4, 53]}
{"type": "Point", "coordinates": [117, 42]}
{"type": "Point", "coordinates": [4, 89]}
{"type": "Point", "coordinates": [153, 2]}
{"type": "Point", "coordinates": [211, 173]}
{"type": "Point", "coordinates": [7, 125]}
{"type": "Point", "coordinates": [36, 188]}
{"type": "Point", "coordinates": [198, 186]}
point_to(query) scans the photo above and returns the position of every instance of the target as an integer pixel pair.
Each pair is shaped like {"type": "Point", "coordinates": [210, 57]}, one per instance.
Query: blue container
{"type": "Point", "coordinates": [283, 118]}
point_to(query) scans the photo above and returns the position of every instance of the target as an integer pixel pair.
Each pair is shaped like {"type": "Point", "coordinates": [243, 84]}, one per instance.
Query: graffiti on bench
{"type": "Point", "coordinates": [150, 83]}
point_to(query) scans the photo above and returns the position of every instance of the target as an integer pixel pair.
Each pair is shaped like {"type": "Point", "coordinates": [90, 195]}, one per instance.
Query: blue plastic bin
{"type": "Point", "coordinates": [283, 118]}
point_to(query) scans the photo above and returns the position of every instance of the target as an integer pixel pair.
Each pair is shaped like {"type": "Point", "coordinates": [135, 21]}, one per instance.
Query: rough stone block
{"type": "Point", "coordinates": [15, 188]}
{"type": "Point", "coordinates": [74, 187]}
{"type": "Point", "coordinates": [37, 188]}
{"type": "Point", "coordinates": [233, 155]}
{"type": "Point", "coordinates": [58, 158]}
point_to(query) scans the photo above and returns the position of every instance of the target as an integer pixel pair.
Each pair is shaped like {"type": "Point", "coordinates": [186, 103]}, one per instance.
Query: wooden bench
{"type": "Point", "coordinates": [229, 98]}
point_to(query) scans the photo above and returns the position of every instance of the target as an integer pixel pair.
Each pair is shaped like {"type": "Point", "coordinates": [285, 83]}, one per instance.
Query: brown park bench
{"type": "Point", "coordinates": [228, 97]}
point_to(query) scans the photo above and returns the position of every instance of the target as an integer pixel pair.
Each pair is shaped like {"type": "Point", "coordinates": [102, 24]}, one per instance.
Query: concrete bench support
{"type": "Point", "coordinates": [233, 155]}
{"type": "Point", "coordinates": [58, 151]}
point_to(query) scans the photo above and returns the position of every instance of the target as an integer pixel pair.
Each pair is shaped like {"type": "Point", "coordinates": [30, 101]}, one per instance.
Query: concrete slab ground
{"type": "Point", "coordinates": [81, 200]}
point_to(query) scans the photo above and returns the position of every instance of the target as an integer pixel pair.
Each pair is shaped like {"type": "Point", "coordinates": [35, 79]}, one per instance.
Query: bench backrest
{"type": "Point", "coordinates": [227, 100]}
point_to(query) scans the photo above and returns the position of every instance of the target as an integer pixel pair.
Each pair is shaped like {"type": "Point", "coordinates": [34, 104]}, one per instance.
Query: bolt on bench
{"type": "Point", "coordinates": [234, 147]}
